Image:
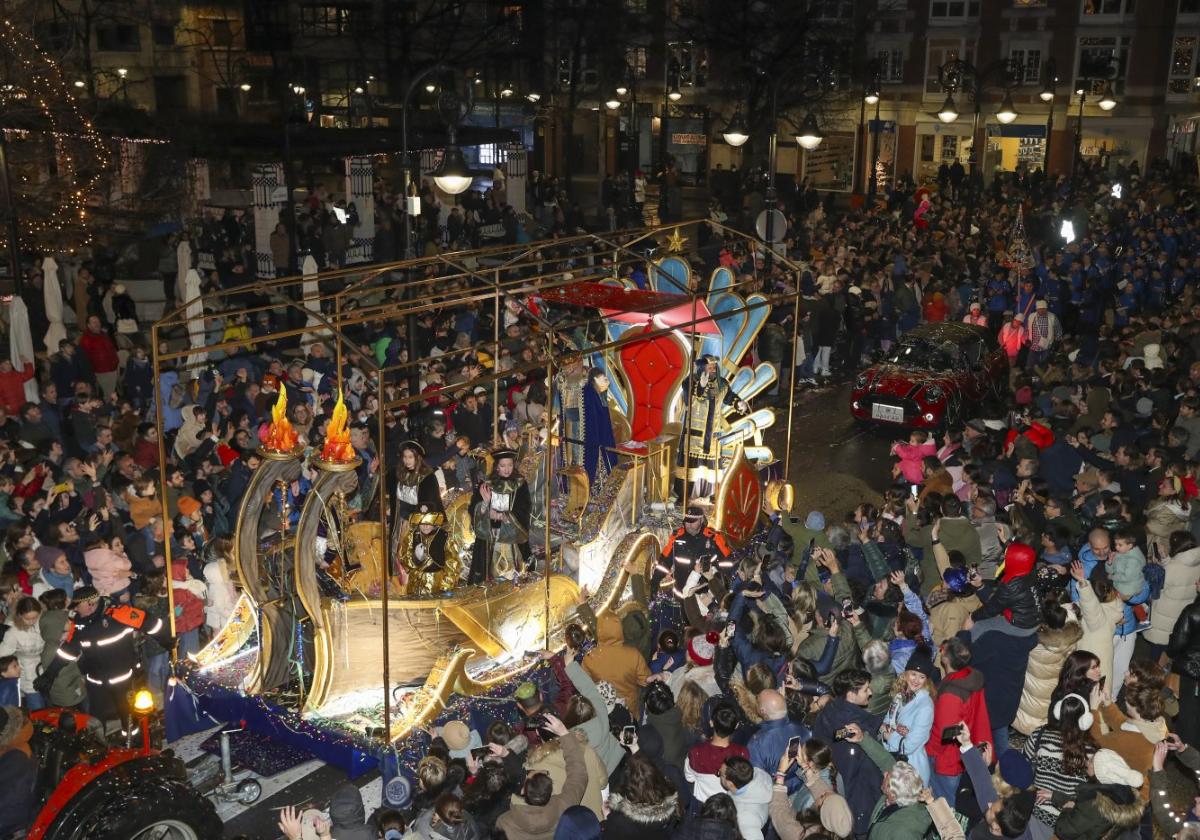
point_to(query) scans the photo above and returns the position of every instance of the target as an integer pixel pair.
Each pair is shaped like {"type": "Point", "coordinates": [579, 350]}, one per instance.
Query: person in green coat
{"type": "Point", "coordinates": [955, 532]}
{"type": "Point", "coordinates": [68, 689]}
{"type": "Point", "coordinates": [900, 813]}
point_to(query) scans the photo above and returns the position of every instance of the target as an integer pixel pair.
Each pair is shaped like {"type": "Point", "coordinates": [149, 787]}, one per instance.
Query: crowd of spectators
{"type": "Point", "coordinates": [1013, 651]}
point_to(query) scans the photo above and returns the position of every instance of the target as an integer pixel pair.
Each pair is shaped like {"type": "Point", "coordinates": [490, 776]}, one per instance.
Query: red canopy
{"type": "Point", "coordinates": [635, 306]}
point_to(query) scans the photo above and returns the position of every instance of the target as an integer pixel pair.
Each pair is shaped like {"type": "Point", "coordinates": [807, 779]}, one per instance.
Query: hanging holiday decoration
{"type": "Point", "coordinates": [55, 155]}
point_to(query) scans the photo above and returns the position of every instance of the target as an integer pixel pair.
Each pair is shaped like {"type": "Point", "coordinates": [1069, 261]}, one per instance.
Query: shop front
{"type": "Point", "coordinates": [1014, 148]}
{"type": "Point", "coordinates": [939, 143]}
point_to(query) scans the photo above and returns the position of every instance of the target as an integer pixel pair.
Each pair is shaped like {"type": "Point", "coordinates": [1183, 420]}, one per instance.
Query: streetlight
{"type": "Point", "coordinates": [1047, 94]}
{"type": "Point", "coordinates": [1006, 113]}
{"type": "Point", "coordinates": [1107, 100]}
{"type": "Point", "coordinates": [612, 104]}
{"type": "Point", "coordinates": [452, 175]}
{"type": "Point", "coordinates": [533, 96]}
{"type": "Point", "coordinates": [736, 133]}
{"type": "Point", "coordinates": [872, 96]}
{"type": "Point", "coordinates": [122, 72]}
{"type": "Point", "coordinates": [809, 136]}
{"type": "Point", "coordinates": [358, 89]}
{"type": "Point", "coordinates": [622, 90]}
{"type": "Point", "coordinates": [673, 94]}
{"type": "Point", "coordinates": [245, 87]}
{"type": "Point", "coordinates": [80, 83]}
{"type": "Point", "coordinates": [506, 91]}
{"type": "Point", "coordinates": [948, 113]}
{"type": "Point", "coordinates": [430, 88]}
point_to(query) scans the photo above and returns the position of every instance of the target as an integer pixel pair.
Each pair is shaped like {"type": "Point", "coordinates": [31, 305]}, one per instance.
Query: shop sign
{"type": "Point", "coordinates": [688, 139]}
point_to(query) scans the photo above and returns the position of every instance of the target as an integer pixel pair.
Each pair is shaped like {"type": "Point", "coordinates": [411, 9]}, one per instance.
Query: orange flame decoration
{"type": "Point", "coordinates": [337, 438]}
{"type": "Point", "coordinates": [281, 437]}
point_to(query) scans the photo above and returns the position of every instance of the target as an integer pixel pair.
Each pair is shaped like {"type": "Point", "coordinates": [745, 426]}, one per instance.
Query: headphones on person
{"type": "Point", "coordinates": [1085, 720]}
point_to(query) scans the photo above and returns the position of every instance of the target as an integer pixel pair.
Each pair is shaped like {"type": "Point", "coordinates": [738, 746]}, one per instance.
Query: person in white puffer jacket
{"type": "Point", "coordinates": [23, 639]}
{"type": "Point", "coordinates": [1179, 588]}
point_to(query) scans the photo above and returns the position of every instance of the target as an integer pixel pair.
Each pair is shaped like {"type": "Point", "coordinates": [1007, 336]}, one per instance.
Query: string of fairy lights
{"type": "Point", "coordinates": [79, 169]}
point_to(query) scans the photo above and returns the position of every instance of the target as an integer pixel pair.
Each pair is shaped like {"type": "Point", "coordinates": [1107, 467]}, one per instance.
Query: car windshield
{"type": "Point", "coordinates": [921, 355]}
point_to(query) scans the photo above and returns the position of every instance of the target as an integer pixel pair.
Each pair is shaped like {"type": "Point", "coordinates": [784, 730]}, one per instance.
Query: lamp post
{"type": "Point", "coordinates": [871, 96]}
{"type": "Point", "coordinates": [1047, 95]}
{"type": "Point", "coordinates": [959, 76]}
{"type": "Point", "coordinates": [1098, 70]}
{"type": "Point", "coordinates": [808, 138]}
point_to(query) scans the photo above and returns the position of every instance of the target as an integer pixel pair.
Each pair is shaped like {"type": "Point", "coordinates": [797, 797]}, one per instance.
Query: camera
{"type": "Point", "coordinates": [843, 733]}
{"type": "Point", "coordinates": [538, 721]}
{"type": "Point", "coordinates": [950, 733]}
{"type": "Point", "coordinates": [480, 753]}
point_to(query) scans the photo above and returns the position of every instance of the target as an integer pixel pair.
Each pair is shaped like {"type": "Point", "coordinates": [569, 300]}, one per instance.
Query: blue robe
{"type": "Point", "coordinates": [597, 432]}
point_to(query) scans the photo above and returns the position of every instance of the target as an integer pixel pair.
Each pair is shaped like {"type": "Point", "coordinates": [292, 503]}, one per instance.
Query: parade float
{"type": "Point", "coordinates": [340, 637]}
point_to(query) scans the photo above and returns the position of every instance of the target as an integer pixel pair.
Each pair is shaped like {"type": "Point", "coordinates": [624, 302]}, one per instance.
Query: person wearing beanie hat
{"type": "Point", "coordinates": [701, 650]}
{"type": "Point", "coordinates": [18, 772]}
{"type": "Point", "coordinates": [55, 572]}
{"type": "Point", "coordinates": [702, 647]}
{"type": "Point", "coordinates": [906, 726]}
{"type": "Point", "coordinates": [460, 739]}
{"type": "Point", "coordinates": [950, 604]}
{"type": "Point", "coordinates": [1107, 808]}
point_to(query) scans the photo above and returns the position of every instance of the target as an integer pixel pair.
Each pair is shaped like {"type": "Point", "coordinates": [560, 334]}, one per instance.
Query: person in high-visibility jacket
{"type": "Point", "coordinates": [694, 545]}
{"type": "Point", "coordinates": [101, 639]}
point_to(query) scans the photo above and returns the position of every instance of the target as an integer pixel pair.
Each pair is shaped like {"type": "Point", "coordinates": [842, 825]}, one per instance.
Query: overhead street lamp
{"type": "Point", "coordinates": [872, 94]}
{"type": "Point", "coordinates": [959, 76]}
{"type": "Point", "coordinates": [735, 133]}
{"type": "Point", "coordinates": [1100, 69]}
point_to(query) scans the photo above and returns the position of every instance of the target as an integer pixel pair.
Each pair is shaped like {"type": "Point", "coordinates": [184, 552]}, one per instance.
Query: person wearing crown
{"type": "Point", "coordinates": [418, 486]}
{"type": "Point", "coordinates": [705, 395]}
{"type": "Point", "coordinates": [500, 512]}
{"type": "Point", "coordinates": [424, 553]}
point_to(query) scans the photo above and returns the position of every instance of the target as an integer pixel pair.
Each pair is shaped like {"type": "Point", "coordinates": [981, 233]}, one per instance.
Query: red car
{"type": "Point", "coordinates": [935, 376]}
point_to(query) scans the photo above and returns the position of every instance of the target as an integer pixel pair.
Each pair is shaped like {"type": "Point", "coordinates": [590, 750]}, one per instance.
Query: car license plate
{"type": "Point", "coordinates": [887, 413]}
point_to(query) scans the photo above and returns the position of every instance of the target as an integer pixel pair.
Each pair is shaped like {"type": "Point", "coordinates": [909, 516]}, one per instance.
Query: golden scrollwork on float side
{"type": "Point", "coordinates": [643, 548]}
{"type": "Point", "coordinates": [739, 499]}
{"type": "Point", "coordinates": [779, 495]}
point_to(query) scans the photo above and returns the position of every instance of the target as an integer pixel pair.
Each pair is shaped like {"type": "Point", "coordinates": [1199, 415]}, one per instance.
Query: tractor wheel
{"type": "Point", "coordinates": [166, 812]}
{"type": "Point", "coordinates": [122, 806]}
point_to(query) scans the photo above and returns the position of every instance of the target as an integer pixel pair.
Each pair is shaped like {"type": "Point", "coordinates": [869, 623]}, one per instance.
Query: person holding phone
{"type": "Point", "coordinates": [777, 733]}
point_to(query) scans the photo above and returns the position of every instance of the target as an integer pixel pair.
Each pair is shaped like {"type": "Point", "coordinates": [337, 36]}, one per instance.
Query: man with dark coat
{"type": "Point", "coordinates": [1000, 651]}
{"type": "Point", "coordinates": [862, 777]}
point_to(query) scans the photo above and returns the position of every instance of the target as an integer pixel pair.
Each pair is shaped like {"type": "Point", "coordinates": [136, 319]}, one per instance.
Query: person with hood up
{"type": "Point", "coordinates": [615, 662]}
{"type": "Point", "coordinates": [960, 699]}
{"type": "Point", "coordinates": [1013, 596]}
{"type": "Point", "coordinates": [67, 690]}
{"type": "Point", "coordinates": [1106, 808]}
{"type": "Point", "coordinates": [1058, 637]}
{"type": "Point", "coordinates": [534, 815]}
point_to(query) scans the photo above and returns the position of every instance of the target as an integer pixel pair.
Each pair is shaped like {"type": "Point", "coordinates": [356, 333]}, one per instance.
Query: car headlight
{"type": "Point", "coordinates": [934, 393]}
{"type": "Point", "coordinates": [861, 381]}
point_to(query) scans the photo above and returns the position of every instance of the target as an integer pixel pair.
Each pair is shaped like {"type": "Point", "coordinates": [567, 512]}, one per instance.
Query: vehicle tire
{"type": "Point", "coordinates": [248, 791]}
{"type": "Point", "coordinates": [141, 800]}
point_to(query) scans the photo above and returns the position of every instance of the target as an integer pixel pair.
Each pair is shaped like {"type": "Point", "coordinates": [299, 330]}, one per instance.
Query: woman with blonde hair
{"type": "Point", "coordinates": [690, 701]}
{"type": "Point", "coordinates": [909, 719]}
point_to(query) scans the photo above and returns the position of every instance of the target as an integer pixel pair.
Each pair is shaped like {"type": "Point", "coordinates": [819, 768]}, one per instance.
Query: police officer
{"type": "Point", "coordinates": [693, 544]}
{"type": "Point", "coordinates": [102, 640]}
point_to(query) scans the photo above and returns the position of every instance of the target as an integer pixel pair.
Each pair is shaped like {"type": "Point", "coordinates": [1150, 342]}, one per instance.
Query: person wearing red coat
{"type": "Point", "coordinates": [188, 594]}
{"type": "Point", "coordinates": [960, 699]}
{"type": "Point", "coordinates": [12, 385]}
{"type": "Point", "coordinates": [101, 353]}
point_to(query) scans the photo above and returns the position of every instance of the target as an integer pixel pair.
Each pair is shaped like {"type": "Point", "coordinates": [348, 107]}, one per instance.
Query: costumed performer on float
{"type": "Point", "coordinates": [705, 395]}
{"type": "Point", "coordinates": [423, 552]}
{"type": "Point", "coordinates": [598, 438]}
{"type": "Point", "coordinates": [418, 486]}
{"type": "Point", "coordinates": [500, 511]}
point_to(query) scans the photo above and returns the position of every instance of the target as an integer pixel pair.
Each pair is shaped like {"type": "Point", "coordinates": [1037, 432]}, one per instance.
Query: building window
{"type": "Point", "coordinates": [163, 34]}
{"type": "Point", "coordinates": [953, 10]}
{"type": "Point", "coordinates": [118, 37]}
{"type": "Point", "coordinates": [692, 63]}
{"type": "Point", "coordinates": [1030, 4]}
{"type": "Point", "coordinates": [1189, 7]}
{"type": "Point", "coordinates": [831, 9]}
{"type": "Point", "coordinates": [1026, 63]}
{"type": "Point", "coordinates": [635, 60]}
{"type": "Point", "coordinates": [891, 64]}
{"type": "Point", "coordinates": [170, 94]}
{"type": "Point", "coordinates": [1184, 70]}
{"type": "Point", "coordinates": [949, 148]}
{"type": "Point", "coordinates": [1101, 60]}
{"type": "Point", "coordinates": [938, 52]}
{"type": "Point", "coordinates": [927, 148]}
{"type": "Point", "coordinates": [490, 154]}
{"type": "Point", "coordinates": [637, 7]}
{"type": "Point", "coordinates": [222, 32]}
{"type": "Point", "coordinates": [334, 20]}
{"type": "Point", "coordinates": [1107, 7]}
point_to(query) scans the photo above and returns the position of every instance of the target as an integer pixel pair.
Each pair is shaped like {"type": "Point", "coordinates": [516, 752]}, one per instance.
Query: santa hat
{"type": "Point", "coordinates": [702, 648]}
